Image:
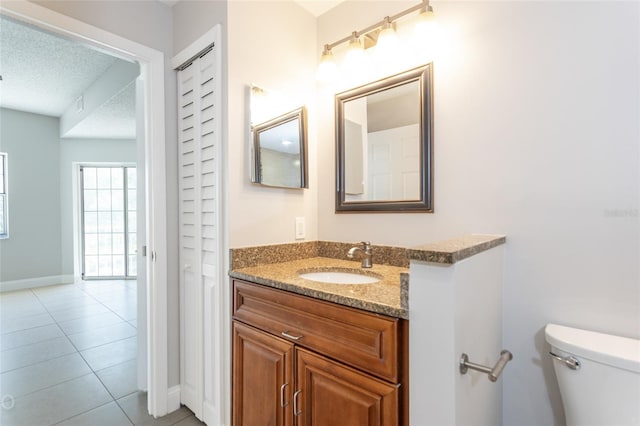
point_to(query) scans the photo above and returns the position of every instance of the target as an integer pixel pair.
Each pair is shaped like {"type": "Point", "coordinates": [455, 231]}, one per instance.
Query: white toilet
{"type": "Point", "coordinates": [598, 375]}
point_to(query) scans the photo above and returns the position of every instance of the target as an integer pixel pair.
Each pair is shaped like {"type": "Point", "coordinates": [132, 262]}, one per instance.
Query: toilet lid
{"type": "Point", "coordinates": [621, 352]}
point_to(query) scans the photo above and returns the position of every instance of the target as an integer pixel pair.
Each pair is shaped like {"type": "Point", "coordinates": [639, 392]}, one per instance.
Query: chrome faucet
{"type": "Point", "coordinates": [365, 254]}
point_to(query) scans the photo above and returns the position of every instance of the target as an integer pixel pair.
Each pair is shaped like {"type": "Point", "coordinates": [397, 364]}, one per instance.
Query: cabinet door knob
{"type": "Point", "coordinates": [290, 336]}
{"type": "Point", "coordinates": [295, 403]}
{"type": "Point", "coordinates": [282, 388]}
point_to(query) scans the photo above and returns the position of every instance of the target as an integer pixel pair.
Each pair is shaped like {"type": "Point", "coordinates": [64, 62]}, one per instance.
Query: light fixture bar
{"type": "Point", "coordinates": [424, 4]}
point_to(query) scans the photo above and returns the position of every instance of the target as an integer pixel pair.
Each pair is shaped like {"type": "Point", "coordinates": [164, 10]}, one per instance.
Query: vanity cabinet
{"type": "Point", "coordinates": [334, 394]}
{"type": "Point", "coordinates": [301, 361]}
{"type": "Point", "coordinates": [262, 377]}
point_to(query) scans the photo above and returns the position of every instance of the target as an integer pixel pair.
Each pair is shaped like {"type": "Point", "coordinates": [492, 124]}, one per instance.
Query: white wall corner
{"type": "Point", "coordinates": [478, 333]}
{"type": "Point", "coordinates": [35, 282]}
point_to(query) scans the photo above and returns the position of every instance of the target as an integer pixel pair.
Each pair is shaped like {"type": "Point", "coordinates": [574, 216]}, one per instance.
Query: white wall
{"type": "Point", "coordinates": [459, 310]}
{"type": "Point", "coordinates": [193, 18]}
{"type": "Point", "coordinates": [149, 23]}
{"type": "Point", "coordinates": [41, 183]}
{"type": "Point", "coordinates": [270, 44]}
{"type": "Point", "coordinates": [536, 137]}
{"type": "Point", "coordinates": [84, 151]}
{"type": "Point", "coordinates": [33, 247]}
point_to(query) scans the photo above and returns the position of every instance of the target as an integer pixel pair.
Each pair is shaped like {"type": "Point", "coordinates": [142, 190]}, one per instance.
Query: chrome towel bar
{"type": "Point", "coordinates": [493, 373]}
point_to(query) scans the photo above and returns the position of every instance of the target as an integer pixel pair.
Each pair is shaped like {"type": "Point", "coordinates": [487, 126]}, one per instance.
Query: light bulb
{"type": "Point", "coordinates": [426, 25]}
{"type": "Point", "coordinates": [355, 56]}
{"type": "Point", "coordinates": [259, 105]}
{"type": "Point", "coordinates": [426, 37]}
{"type": "Point", "coordinates": [327, 70]}
{"type": "Point", "coordinates": [387, 39]}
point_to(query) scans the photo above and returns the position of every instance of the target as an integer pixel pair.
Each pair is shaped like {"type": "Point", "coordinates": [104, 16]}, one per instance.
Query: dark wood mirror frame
{"type": "Point", "coordinates": [298, 116]}
{"type": "Point", "coordinates": [424, 204]}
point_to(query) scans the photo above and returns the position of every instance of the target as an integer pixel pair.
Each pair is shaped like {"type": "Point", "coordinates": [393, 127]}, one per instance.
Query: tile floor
{"type": "Point", "coordinates": [68, 357]}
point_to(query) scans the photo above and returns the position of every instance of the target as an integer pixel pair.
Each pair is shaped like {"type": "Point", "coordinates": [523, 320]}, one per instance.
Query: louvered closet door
{"type": "Point", "coordinates": [199, 234]}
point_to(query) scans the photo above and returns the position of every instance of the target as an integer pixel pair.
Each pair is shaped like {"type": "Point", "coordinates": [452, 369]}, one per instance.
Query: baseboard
{"type": "Point", "coordinates": [35, 282]}
{"type": "Point", "coordinates": [173, 398]}
{"type": "Point", "coordinates": [210, 415]}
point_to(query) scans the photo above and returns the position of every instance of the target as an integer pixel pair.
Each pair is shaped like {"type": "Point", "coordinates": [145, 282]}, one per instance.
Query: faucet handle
{"type": "Point", "coordinates": [366, 245]}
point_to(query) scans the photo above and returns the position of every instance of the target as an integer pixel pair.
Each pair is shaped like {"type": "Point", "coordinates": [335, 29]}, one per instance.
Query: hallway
{"type": "Point", "coordinates": [68, 357]}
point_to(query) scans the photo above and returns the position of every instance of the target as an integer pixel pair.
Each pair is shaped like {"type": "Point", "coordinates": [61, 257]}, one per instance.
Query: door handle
{"type": "Point", "coordinates": [290, 336]}
{"type": "Point", "coordinates": [295, 403]}
{"type": "Point", "coordinates": [282, 388]}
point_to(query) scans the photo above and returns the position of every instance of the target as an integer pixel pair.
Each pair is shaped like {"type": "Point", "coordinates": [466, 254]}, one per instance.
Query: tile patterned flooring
{"type": "Point", "coordinates": [68, 357]}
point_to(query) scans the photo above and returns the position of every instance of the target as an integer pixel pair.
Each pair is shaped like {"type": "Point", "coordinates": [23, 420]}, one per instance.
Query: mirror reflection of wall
{"type": "Point", "coordinates": [355, 179]}
{"type": "Point", "coordinates": [382, 145]}
{"type": "Point", "coordinates": [279, 155]}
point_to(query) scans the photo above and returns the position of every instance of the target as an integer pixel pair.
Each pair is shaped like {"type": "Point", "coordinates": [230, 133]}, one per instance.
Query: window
{"type": "Point", "coordinates": [4, 209]}
{"type": "Point", "coordinates": [108, 221]}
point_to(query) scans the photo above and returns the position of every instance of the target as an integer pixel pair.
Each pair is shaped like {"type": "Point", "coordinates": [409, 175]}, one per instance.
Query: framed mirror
{"type": "Point", "coordinates": [280, 151]}
{"type": "Point", "coordinates": [384, 145]}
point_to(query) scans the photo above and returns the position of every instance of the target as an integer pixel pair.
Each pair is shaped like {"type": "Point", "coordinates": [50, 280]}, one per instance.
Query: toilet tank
{"type": "Point", "coordinates": [605, 389]}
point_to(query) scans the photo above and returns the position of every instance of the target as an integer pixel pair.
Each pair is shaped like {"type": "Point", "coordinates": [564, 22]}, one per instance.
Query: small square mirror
{"type": "Point", "coordinates": [279, 144]}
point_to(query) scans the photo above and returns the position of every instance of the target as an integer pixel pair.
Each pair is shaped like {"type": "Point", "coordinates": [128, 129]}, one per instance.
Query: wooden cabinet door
{"type": "Point", "coordinates": [332, 394]}
{"type": "Point", "coordinates": [262, 378]}
{"type": "Point", "coordinates": [366, 341]}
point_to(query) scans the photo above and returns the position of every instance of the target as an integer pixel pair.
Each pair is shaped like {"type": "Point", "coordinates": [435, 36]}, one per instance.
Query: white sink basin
{"type": "Point", "coordinates": [339, 277]}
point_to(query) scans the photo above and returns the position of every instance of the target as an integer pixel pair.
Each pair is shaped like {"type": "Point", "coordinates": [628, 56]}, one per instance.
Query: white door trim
{"type": "Point", "coordinates": [152, 69]}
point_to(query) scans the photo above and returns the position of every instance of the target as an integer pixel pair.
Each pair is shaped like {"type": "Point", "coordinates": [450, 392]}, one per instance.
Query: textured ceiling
{"type": "Point", "coordinates": [45, 74]}
{"type": "Point", "coordinates": [115, 119]}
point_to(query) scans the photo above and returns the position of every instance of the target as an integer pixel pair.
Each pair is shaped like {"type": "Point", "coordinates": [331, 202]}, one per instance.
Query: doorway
{"type": "Point", "coordinates": [154, 294]}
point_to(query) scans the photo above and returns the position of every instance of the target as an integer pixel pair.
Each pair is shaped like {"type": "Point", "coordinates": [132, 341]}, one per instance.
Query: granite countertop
{"type": "Point", "coordinates": [387, 296]}
{"type": "Point", "coordinates": [455, 249]}
{"type": "Point", "coordinates": [278, 266]}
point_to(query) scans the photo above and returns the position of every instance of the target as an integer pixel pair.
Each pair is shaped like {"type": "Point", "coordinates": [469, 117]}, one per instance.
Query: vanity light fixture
{"type": "Point", "coordinates": [355, 55]}
{"type": "Point", "coordinates": [381, 33]}
{"type": "Point", "coordinates": [426, 23]}
{"type": "Point", "coordinates": [354, 43]}
{"type": "Point", "coordinates": [387, 38]}
{"type": "Point", "coordinates": [327, 70]}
